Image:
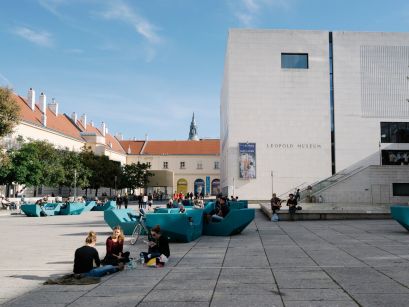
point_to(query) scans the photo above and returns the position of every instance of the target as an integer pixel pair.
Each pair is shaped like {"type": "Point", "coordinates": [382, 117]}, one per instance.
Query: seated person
{"type": "Point", "coordinates": [275, 203]}
{"type": "Point", "coordinates": [98, 202]}
{"type": "Point", "coordinates": [5, 203]}
{"type": "Point", "coordinates": [221, 211]}
{"type": "Point", "coordinates": [292, 205]}
{"type": "Point", "coordinates": [169, 204]}
{"type": "Point", "coordinates": [182, 209]}
{"type": "Point", "coordinates": [86, 255]}
{"type": "Point", "coordinates": [41, 201]}
{"type": "Point", "coordinates": [115, 246]}
{"type": "Point", "coordinates": [158, 245]}
{"type": "Point", "coordinates": [198, 203]}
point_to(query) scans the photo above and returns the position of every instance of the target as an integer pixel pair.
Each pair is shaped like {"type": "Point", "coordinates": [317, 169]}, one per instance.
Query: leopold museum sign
{"type": "Point", "coordinates": [293, 146]}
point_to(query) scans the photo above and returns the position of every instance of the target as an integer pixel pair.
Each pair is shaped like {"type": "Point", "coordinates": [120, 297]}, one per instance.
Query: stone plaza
{"type": "Point", "coordinates": [302, 263]}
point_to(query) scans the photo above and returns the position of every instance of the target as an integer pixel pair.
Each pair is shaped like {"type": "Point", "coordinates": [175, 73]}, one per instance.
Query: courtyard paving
{"type": "Point", "coordinates": [309, 263]}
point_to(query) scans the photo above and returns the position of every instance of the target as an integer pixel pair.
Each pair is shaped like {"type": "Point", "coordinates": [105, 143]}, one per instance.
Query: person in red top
{"type": "Point", "coordinates": [115, 246]}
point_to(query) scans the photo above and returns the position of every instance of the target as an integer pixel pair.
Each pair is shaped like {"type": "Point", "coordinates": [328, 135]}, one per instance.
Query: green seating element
{"type": "Point", "coordinates": [31, 210]}
{"type": "Point", "coordinates": [72, 209]}
{"type": "Point", "coordinates": [34, 210]}
{"type": "Point", "coordinates": [240, 204]}
{"type": "Point", "coordinates": [178, 227]}
{"type": "Point", "coordinates": [235, 221]}
{"type": "Point", "coordinates": [121, 217]}
{"type": "Point", "coordinates": [401, 215]}
{"type": "Point", "coordinates": [89, 205]}
{"type": "Point", "coordinates": [109, 205]}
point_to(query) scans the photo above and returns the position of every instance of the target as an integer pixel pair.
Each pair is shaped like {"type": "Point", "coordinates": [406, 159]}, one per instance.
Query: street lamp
{"type": "Point", "coordinates": [272, 182]}
{"type": "Point", "coordinates": [75, 184]}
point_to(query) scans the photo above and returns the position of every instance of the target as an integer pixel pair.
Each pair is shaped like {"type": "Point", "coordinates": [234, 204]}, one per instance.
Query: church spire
{"type": "Point", "coordinates": [193, 130]}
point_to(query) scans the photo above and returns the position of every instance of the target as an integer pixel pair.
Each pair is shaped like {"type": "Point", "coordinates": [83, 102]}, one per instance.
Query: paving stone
{"type": "Point", "coordinates": [173, 304]}
{"type": "Point", "coordinates": [44, 298]}
{"type": "Point", "coordinates": [314, 295]}
{"type": "Point", "coordinates": [321, 304]}
{"type": "Point", "coordinates": [107, 301]}
{"type": "Point", "coordinates": [179, 296]}
{"type": "Point", "coordinates": [187, 284]}
{"type": "Point", "coordinates": [224, 300]}
{"type": "Point", "coordinates": [382, 300]}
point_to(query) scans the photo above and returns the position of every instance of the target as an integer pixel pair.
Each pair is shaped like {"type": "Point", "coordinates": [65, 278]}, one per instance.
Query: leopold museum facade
{"type": "Point", "coordinates": [300, 106]}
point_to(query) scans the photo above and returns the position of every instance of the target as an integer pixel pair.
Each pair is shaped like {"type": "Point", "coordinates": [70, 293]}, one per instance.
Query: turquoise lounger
{"type": "Point", "coordinates": [109, 205]}
{"type": "Point", "coordinates": [401, 215]}
{"type": "Point", "coordinates": [72, 208]}
{"type": "Point", "coordinates": [89, 205]}
{"type": "Point", "coordinates": [50, 209]}
{"type": "Point", "coordinates": [178, 227]}
{"type": "Point", "coordinates": [234, 223]}
{"type": "Point", "coordinates": [31, 210]}
{"type": "Point", "coordinates": [121, 217]}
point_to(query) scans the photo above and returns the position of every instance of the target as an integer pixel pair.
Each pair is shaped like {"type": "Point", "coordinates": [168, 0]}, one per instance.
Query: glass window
{"type": "Point", "coordinates": [182, 164]}
{"type": "Point", "coordinates": [199, 165]}
{"type": "Point", "coordinates": [397, 132]}
{"type": "Point", "coordinates": [395, 157]}
{"type": "Point", "coordinates": [216, 165]}
{"type": "Point", "coordinates": [400, 189]}
{"type": "Point", "coordinates": [294, 60]}
{"type": "Point", "coordinates": [165, 165]}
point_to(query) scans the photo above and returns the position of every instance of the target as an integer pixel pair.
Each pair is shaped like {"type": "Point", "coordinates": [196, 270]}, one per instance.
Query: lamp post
{"type": "Point", "coordinates": [75, 184]}
{"type": "Point", "coordinates": [272, 182]}
{"type": "Point", "coordinates": [115, 184]}
{"type": "Point", "coordinates": [233, 186]}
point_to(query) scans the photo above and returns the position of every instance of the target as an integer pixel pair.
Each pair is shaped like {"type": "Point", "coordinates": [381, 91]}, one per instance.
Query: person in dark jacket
{"type": "Point", "coordinates": [114, 247]}
{"type": "Point", "coordinates": [85, 257]}
{"type": "Point", "coordinates": [158, 245]}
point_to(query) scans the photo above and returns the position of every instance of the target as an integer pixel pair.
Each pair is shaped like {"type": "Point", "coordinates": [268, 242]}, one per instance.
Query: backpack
{"type": "Point", "coordinates": [274, 217]}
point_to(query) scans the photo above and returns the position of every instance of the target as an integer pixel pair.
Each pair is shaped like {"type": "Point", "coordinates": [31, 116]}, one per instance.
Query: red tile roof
{"type": "Point", "coordinates": [58, 123]}
{"type": "Point", "coordinates": [134, 146]}
{"type": "Point", "coordinates": [202, 147]}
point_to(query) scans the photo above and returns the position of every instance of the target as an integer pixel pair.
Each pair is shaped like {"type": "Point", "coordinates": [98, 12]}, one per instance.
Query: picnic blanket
{"type": "Point", "coordinates": [73, 279]}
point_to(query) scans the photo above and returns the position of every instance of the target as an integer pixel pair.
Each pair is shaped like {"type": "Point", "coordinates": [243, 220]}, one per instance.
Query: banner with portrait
{"type": "Point", "coordinates": [247, 160]}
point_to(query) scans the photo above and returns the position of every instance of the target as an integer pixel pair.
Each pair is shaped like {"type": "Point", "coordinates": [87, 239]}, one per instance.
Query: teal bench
{"type": "Point", "coordinates": [178, 227]}
{"type": "Point", "coordinates": [122, 218]}
{"type": "Point", "coordinates": [235, 221]}
{"type": "Point", "coordinates": [401, 215]}
{"type": "Point", "coordinates": [72, 209]}
{"type": "Point", "coordinates": [33, 210]}
{"type": "Point", "coordinates": [109, 205]}
{"type": "Point", "coordinates": [89, 205]}
{"type": "Point", "coordinates": [50, 209]}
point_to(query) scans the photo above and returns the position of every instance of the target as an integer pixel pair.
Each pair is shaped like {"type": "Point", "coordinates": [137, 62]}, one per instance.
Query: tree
{"type": "Point", "coordinates": [9, 112]}
{"type": "Point", "coordinates": [75, 173]}
{"type": "Point", "coordinates": [136, 175]}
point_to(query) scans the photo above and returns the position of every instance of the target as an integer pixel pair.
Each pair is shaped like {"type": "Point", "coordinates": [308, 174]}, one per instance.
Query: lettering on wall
{"type": "Point", "coordinates": [293, 146]}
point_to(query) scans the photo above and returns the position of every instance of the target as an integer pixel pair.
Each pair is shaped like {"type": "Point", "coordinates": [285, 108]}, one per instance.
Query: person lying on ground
{"type": "Point", "coordinates": [85, 257]}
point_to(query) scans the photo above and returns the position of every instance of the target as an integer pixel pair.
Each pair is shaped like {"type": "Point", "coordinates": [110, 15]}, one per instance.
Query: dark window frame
{"type": "Point", "coordinates": [398, 189]}
{"type": "Point", "coordinates": [284, 54]}
{"type": "Point", "coordinates": [394, 132]}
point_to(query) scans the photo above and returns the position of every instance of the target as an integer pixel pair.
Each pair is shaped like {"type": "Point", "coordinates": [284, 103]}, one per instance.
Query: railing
{"type": "Point", "coordinates": [293, 189]}
{"type": "Point", "coordinates": [323, 184]}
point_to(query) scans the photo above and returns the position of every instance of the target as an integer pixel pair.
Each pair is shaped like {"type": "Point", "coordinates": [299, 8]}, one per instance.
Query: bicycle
{"type": "Point", "coordinates": [140, 228]}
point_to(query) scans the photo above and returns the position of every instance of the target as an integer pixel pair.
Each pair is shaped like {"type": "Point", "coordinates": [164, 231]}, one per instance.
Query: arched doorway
{"type": "Point", "coordinates": [199, 187]}
{"type": "Point", "coordinates": [216, 186]}
{"type": "Point", "coordinates": [182, 186]}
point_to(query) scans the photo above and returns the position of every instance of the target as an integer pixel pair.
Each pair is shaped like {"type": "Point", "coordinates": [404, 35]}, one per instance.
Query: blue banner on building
{"type": "Point", "coordinates": [247, 160]}
{"type": "Point", "coordinates": [208, 185]}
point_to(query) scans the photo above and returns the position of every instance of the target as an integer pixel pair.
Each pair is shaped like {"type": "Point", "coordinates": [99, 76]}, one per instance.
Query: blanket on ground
{"type": "Point", "coordinates": [73, 279]}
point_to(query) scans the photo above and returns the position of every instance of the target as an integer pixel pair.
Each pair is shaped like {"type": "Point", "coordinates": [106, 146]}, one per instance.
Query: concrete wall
{"type": "Point", "coordinates": [371, 185]}
{"type": "Point", "coordinates": [284, 111]}
{"type": "Point", "coordinates": [370, 86]}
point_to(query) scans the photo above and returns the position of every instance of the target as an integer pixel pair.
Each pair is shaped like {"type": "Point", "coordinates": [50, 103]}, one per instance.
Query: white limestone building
{"type": "Point", "coordinates": [310, 104]}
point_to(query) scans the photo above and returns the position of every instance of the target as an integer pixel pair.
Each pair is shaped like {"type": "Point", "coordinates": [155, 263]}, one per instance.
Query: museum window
{"type": "Point", "coordinates": [400, 189]}
{"type": "Point", "coordinates": [294, 60]}
{"type": "Point", "coordinates": [165, 165]}
{"type": "Point", "coordinates": [394, 132]}
{"type": "Point", "coordinates": [216, 165]}
{"type": "Point", "coordinates": [199, 165]}
{"type": "Point", "coordinates": [182, 165]}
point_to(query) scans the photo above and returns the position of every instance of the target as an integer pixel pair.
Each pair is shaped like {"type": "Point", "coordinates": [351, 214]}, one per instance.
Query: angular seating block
{"type": "Point", "coordinates": [31, 210]}
{"type": "Point", "coordinates": [232, 224]}
{"type": "Point", "coordinates": [401, 215]}
{"type": "Point", "coordinates": [121, 217]}
{"type": "Point", "coordinates": [178, 227]}
{"type": "Point", "coordinates": [51, 209]}
{"type": "Point", "coordinates": [240, 204]}
{"type": "Point", "coordinates": [109, 205]}
{"type": "Point", "coordinates": [89, 205]}
{"type": "Point", "coordinates": [72, 209]}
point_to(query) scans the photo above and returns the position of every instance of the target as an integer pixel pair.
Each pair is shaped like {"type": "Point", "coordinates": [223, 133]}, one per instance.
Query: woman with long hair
{"type": "Point", "coordinates": [85, 257]}
{"type": "Point", "coordinates": [115, 246]}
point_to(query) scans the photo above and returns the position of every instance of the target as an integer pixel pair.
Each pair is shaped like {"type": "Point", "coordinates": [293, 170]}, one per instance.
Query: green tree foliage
{"type": "Point", "coordinates": [136, 175]}
{"type": "Point", "coordinates": [75, 171]}
{"type": "Point", "coordinates": [9, 112]}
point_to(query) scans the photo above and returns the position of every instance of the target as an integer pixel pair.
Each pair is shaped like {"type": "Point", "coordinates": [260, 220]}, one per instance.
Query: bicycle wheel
{"type": "Point", "coordinates": [136, 233]}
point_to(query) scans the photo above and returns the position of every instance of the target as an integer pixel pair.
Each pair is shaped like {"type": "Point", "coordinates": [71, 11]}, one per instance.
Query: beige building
{"type": "Point", "coordinates": [184, 166]}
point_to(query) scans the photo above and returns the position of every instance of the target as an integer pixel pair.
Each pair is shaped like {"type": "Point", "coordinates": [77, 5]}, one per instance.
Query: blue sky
{"type": "Point", "coordinates": [144, 66]}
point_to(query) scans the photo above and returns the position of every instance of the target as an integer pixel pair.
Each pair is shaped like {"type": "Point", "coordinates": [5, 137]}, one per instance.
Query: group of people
{"type": "Point", "coordinates": [115, 258]}
{"type": "Point", "coordinates": [145, 199]}
{"type": "Point", "coordinates": [122, 200]}
{"type": "Point", "coordinates": [292, 204]}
